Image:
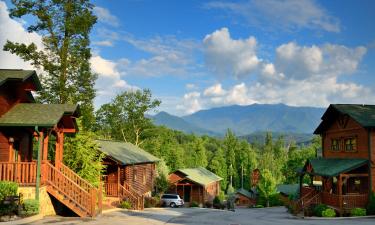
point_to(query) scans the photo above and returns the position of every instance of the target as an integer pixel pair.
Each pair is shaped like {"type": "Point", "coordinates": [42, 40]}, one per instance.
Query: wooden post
{"type": "Point", "coordinates": [61, 146]}
{"type": "Point", "coordinates": [45, 147]}
{"type": "Point", "coordinates": [118, 180]}
{"type": "Point", "coordinates": [57, 149]}
{"type": "Point", "coordinates": [93, 201]}
{"type": "Point", "coordinates": [300, 185]}
{"type": "Point", "coordinates": [339, 187]}
{"type": "Point", "coordinates": [100, 196]}
{"type": "Point", "coordinates": [40, 146]}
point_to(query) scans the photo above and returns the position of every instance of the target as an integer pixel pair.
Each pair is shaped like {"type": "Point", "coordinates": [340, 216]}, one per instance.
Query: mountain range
{"type": "Point", "coordinates": [245, 120]}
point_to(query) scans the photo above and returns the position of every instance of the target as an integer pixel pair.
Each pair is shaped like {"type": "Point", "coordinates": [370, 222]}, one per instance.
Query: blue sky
{"type": "Point", "coordinates": [196, 55]}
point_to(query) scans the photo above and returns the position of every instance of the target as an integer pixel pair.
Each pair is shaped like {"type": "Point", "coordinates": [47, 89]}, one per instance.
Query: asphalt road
{"type": "Point", "coordinates": [266, 216]}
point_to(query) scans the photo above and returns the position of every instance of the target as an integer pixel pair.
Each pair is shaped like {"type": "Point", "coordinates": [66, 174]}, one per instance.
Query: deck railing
{"type": "Point", "coordinates": [111, 189]}
{"type": "Point", "coordinates": [23, 173]}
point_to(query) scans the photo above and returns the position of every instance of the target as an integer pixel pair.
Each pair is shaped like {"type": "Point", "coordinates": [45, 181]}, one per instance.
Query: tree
{"type": "Point", "coordinates": [230, 144]}
{"type": "Point", "coordinates": [267, 185]}
{"type": "Point", "coordinates": [125, 116]}
{"type": "Point", "coordinates": [161, 181]}
{"type": "Point", "coordinates": [218, 166]}
{"type": "Point", "coordinates": [65, 27]}
{"type": "Point", "coordinates": [82, 155]}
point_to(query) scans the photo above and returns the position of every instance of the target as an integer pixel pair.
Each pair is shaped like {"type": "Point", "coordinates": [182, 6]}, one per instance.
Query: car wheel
{"type": "Point", "coordinates": [173, 205]}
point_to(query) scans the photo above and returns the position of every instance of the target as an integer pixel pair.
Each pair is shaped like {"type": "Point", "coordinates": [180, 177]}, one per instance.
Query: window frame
{"type": "Point", "coordinates": [354, 147]}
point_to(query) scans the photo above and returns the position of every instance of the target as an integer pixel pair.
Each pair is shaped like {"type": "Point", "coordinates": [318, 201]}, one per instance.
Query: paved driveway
{"type": "Point", "coordinates": [265, 216]}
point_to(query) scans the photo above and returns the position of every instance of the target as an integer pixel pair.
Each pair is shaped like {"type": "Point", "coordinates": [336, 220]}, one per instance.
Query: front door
{"type": "Point", "coordinates": [187, 193]}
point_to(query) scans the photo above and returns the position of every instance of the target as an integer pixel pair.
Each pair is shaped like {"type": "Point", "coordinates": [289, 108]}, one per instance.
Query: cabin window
{"type": "Point", "coordinates": [335, 144]}
{"type": "Point", "coordinates": [144, 176]}
{"type": "Point", "coordinates": [350, 144]}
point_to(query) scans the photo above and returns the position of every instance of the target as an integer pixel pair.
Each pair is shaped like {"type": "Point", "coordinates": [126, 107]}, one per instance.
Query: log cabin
{"type": "Point", "coordinates": [130, 173]}
{"type": "Point", "coordinates": [347, 165]}
{"type": "Point", "coordinates": [32, 147]}
{"type": "Point", "coordinates": [245, 198]}
{"type": "Point", "coordinates": [195, 185]}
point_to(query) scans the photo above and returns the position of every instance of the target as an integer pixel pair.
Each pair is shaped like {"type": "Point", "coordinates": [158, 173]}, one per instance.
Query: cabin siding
{"type": "Point", "coordinates": [4, 148]}
{"type": "Point", "coordinates": [352, 129]}
{"type": "Point", "coordinates": [140, 177]}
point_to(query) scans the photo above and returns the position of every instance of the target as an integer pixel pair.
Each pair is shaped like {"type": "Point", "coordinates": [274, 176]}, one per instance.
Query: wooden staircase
{"type": "Point", "coordinates": [71, 190]}
{"type": "Point", "coordinates": [127, 193]}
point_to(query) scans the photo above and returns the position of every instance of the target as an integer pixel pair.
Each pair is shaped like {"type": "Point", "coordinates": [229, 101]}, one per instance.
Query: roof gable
{"type": "Point", "coordinates": [33, 114]}
{"type": "Point", "coordinates": [200, 175]}
{"type": "Point", "coordinates": [20, 75]}
{"type": "Point", "coordinates": [364, 115]}
{"type": "Point", "coordinates": [126, 153]}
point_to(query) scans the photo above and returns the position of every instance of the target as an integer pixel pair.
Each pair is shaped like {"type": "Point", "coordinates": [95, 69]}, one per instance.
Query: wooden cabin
{"type": "Point", "coordinates": [245, 198]}
{"type": "Point", "coordinates": [195, 184]}
{"type": "Point", "coordinates": [32, 146]}
{"type": "Point", "coordinates": [129, 169]}
{"type": "Point", "coordinates": [347, 166]}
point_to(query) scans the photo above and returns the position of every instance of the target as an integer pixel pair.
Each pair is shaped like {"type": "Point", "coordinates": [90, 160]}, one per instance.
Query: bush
{"type": "Point", "coordinates": [329, 213]}
{"type": "Point", "coordinates": [125, 205]}
{"type": "Point", "coordinates": [259, 206]}
{"type": "Point", "coordinates": [221, 196]}
{"type": "Point", "coordinates": [30, 207]}
{"type": "Point", "coordinates": [194, 204]}
{"type": "Point", "coordinates": [151, 202]}
{"type": "Point", "coordinates": [318, 210]}
{"type": "Point", "coordinates": [216, 202]}
{"type": "Point", "coordinates": [371, 205]}
{"type": "Point", "coordinates": [7, 189]}
{"type": "Point", "coordinates": [358, 212]}
{"type": "Point", "coordinates": [208, 204]}
{"type": "Point", "coordinates": [274, 200]}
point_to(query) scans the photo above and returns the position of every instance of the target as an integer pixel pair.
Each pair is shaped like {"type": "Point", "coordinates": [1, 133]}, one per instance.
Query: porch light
{"type": "Point", "coordinates": [11, 140]}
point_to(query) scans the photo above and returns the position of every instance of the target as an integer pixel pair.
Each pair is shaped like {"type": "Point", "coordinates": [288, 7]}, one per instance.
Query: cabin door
{"type": "Point", "coordinates": [16, 150]}
{"type": "Point", "coordinates": [187, 193]}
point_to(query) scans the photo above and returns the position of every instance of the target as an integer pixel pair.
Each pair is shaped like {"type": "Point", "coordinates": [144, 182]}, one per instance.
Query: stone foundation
{"type": "Point", "coordinates": [45, 203]}
{"type": "Point", "coordinates": [110, 202]}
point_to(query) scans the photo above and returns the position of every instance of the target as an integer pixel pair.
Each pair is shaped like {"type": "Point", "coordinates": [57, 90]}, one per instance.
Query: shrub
{"type": "Point", "coordinates": [329, 213]}
{"type": "Point", "coordinates": [151, 202]}
{"type": "Point", "coordinates": [273, 200]}
{"type": "Point", "coordinates": [208, 204]}
{"type": "Point", "coordinates": [30, 207]}
{"type": "Point", "coordinates": [259, 206]}
{"type": "Point", "coordinates": [221, 196]}
{"type": "Point", "coordinates": [7, 189]}
{"type": "Point", "coordinates": [125, 205]}
{"type": "Point", "coordinates": [318, 210]}
{"type": "Point", "coordinates": [358, 212]}
{"type": "Point", "coordinates": [371, 205]}
{"type": "Point", "coordinates": [194, 204]}
{"type": "Point", "coordinates": [216, 202]}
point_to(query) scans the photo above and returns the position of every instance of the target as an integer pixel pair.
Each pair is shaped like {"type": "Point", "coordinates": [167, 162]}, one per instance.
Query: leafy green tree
{"type": "Point", "coordinates": [267, 185]}
{"type": "Point", "coordinates": [124, 118]}
{"type": "Point", "coordinates": [230, 144]}
{"type": "Point", "coordinates": [218, 166]}
{"type": "Point", "coordinates": [199, 155]}
{"type": "Point", "coordinates": [65, 27]}
{"type": "Point", "coordinates": [82, 155]}
{"type": "Point", "coordinates": [161, 181]}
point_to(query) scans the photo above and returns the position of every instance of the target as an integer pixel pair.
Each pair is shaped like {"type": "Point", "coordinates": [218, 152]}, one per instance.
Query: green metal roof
{"type": "Point", "coordinates": [331, 167]}
{"type": "Point", "coordinates": [200, 175]}
{"type": "Point", "coordinates": [362, 114]}
{"type": "Point", "coordinates": [126, 153]}
{"type": "Point", "coordinates": [288, 189]}
{"type": "Point", "coordinates": [245, 193]}
{"type": "Point", "coordinates": [33, 114]}
{"type": "Point", "coordinates": [21, 75]}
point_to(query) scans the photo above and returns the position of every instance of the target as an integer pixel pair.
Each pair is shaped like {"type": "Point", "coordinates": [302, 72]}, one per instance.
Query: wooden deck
{"type": "Point", "coordinates": [65, 185]}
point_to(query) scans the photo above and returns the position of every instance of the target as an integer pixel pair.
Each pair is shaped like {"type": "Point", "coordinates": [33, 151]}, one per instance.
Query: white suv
{"type": "Point", "coordinates": [172, 200]}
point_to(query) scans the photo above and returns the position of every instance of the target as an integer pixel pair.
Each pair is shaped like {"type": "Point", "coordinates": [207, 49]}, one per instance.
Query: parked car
{"type": "Point", "coordinates": [172, 200]}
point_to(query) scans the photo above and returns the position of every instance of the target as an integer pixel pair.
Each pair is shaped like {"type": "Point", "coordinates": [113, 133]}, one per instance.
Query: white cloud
{"type": "Point", "coordinates": [227, 56]}
{"type": "Point", "coordinates": [169, 55]}
{"type": "Point", "coordinates": [300, 76]}
{"type": "Point", "coordinates": [105, 16]}
{"type": "Point", "coordinates": [215, 90]}
{"type": "Point", "coordinates": [104, 67]}
{"type": "Point", "coordinates": [13, 30]}
{"type": "Point", "coordinates": [286, 15]}
{"type": "Point", "coordinates": [106, 43]}
{"type": "Point", "coordinates": [191, 86]}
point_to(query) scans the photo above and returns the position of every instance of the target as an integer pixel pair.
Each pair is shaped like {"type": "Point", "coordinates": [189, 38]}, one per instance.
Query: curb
{"type": "Point", "coordinates": [24, 220]}
{"type": "Point", "coordinates": [331, 218]}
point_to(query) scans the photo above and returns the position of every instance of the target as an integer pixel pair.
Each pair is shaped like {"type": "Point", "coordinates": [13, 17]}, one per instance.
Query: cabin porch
{"type": "Point", "coordinates": [344, 184]}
